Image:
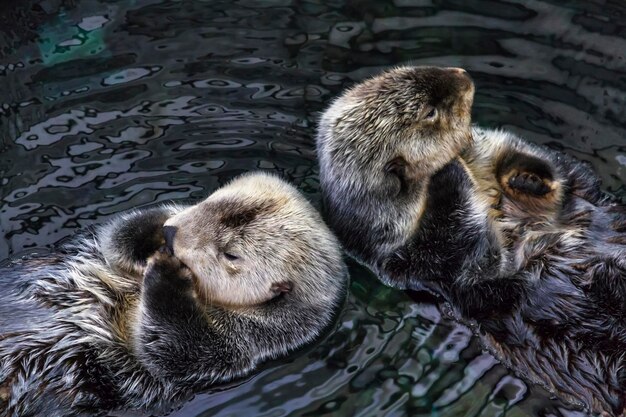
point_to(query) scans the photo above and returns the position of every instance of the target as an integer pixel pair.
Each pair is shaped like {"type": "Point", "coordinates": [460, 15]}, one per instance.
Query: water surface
{"type": "Point", "coordinates": [111, 105]}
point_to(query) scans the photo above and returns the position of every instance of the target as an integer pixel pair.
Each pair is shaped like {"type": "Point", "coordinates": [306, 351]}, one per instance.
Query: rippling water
{"type": "Point", "coordinates": [108, 105]}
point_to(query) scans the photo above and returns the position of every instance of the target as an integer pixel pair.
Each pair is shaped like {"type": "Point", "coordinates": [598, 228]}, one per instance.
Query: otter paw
{"type": "Point", "coordinates": [165, 265]}
{"type": "Point", "coordinates": [523, 175]}
{"type": "Point", "coordinates": [398, 168]}
{"type": "Point", "coordinates": [529, 183]}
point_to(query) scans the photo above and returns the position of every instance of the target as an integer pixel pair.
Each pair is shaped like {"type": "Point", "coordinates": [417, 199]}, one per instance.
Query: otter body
{"type": "Point", "coordinates": [115, 320]}
{"type": "Point", "coordinates": [519, 240]}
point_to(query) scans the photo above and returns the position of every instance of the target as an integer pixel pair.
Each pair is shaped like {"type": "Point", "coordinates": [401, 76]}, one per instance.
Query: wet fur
{"type": "Point", "coordinates": [535, 265]}
{"type": "Point", "coordinates": [109, 322]}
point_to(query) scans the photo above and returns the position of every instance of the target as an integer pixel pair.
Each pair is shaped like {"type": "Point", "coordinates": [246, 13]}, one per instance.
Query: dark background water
{"type": "Point", "coordinates": [109, 105]}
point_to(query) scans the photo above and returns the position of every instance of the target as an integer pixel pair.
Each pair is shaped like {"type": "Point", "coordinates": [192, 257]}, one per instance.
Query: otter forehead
{"type": "Point", "coordinates": [256, 203]}
{"type": "Point", "coordinates": [239, 212]}
{"type": "Point", "coordinates": [235, 214]}
{"type": "Point", "coordinates": [414, 85]}
{"type": "Point", "coordinates": [256, 197]}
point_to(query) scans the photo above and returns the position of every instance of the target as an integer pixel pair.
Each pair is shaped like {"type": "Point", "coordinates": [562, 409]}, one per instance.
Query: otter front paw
{"type": "Point", "coordinates": [129, 240]}
{"type": "Point", "coordinates": [167, 291]}
{"type": "Point", "coordinates": [165, 266]}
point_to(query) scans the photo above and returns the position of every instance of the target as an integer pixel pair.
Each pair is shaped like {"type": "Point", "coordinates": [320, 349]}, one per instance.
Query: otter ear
{"type": "Point", "coordinates": [397, 167]}
{"type": "Point", "coordinates": [282, 287]}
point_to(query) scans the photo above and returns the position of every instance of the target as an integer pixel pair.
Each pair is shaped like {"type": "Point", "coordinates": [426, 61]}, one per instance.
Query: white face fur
{"type": "Point", "coordinates": [250, 240]}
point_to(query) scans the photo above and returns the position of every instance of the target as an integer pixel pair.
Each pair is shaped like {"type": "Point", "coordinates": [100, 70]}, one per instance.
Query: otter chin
{"type": "Point", "coordinates": [158, 304]}
{"type": "Point", "coordinates": [518, 240]}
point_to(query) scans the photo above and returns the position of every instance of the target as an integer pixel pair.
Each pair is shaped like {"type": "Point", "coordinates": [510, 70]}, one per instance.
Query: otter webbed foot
{"type": "Point", "coordinates": [528, 183]}
{"type": "Point", "coordinates": [527, 175]}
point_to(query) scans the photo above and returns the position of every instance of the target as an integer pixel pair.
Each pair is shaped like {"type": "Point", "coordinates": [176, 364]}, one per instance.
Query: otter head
{"type": "Point", "coordinates": [378, 145]}
{"type": "Point", "coordinates": [253, 240]}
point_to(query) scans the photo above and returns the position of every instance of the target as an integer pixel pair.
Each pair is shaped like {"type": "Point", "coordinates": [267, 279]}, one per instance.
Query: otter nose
{"type": "Point", "coordinates": [168, 233]}
{"type": "Point", "coordinates": [462, 78]}
{"type": "Point", "coordinates": [457, 70]}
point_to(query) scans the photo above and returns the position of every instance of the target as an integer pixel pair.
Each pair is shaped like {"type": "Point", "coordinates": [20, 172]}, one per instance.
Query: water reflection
{"type": "Point", "coordinates": [107, 106]}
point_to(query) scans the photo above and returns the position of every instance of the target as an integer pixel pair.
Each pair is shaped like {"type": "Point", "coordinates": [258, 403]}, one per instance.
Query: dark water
{"type": "Point", "coordinates": [108, 105]}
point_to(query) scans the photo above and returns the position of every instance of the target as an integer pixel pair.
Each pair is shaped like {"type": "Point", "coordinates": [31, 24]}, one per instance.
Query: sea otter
{"type": "Point", "coordinates": [157, 304]}
{"type": "Point", "coordinates": [518, 240]}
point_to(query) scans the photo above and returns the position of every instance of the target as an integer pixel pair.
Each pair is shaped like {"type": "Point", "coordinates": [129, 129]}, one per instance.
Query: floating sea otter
{"type": "Point", "coordinates": [518, 239]}
{"type": "Point", "coordinates": [111, 321]}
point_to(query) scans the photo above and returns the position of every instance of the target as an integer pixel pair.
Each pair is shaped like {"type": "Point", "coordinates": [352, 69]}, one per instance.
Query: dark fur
{"type": "Point", "coordinates": [142, 235]}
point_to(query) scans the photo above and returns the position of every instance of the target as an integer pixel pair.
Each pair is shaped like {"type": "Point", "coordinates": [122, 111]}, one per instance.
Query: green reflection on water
{"type": "Point", "coordinates": [62, 40]}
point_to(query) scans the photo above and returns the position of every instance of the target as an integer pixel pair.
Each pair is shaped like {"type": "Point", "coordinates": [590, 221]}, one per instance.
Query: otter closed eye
{"type": "Point", "coordinates": [230, 256]}
{"type": "Point", "coordinates": [432, 113]}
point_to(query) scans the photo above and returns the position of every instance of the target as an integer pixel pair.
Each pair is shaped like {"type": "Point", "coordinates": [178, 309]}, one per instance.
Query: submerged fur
{"type": "Point", "coordinates": [518, 239]}
{"type": "Point", "coordinates": [109, 322]}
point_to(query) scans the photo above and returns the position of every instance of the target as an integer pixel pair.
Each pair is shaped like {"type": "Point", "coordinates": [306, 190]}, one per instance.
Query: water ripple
{"type": "Point", "coordinates": [108, 106]}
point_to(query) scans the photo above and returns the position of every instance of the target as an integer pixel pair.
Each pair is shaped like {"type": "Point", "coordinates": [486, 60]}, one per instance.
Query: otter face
{"type": "Point", "coordinates": [251, 240]}
{"type": "Point", "coordinates": [378, 145]}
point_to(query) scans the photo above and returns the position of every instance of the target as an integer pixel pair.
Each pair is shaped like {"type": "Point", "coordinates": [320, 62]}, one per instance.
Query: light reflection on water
{"type": "Point", "coordinates": [108, 105]}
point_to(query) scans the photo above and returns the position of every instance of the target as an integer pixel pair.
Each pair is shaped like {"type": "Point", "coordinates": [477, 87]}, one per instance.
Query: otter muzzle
{"type": "Point", "coordinates": [168, 233]}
